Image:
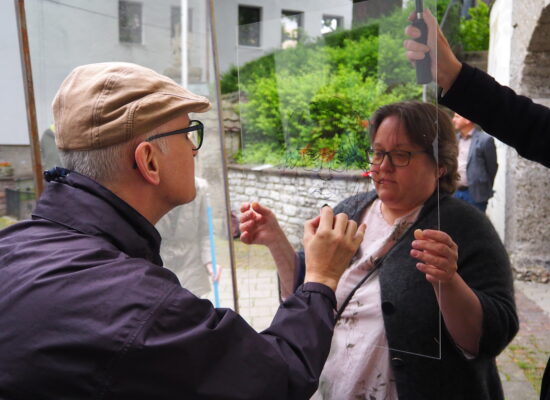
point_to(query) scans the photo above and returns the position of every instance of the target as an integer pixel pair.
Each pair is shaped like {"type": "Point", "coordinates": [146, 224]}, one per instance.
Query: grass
{"type": "Point", "coordinates": [6, 221]}
{"type": "Point", "coordinates": [531, 360]}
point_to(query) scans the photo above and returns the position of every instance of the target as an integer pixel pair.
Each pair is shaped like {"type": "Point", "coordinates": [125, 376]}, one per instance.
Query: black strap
{"type": "Point", "coordinates": [375, 267]}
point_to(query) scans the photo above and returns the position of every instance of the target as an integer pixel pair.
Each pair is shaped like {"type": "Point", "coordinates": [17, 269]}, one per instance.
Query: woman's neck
{"type": "Point", "coordinates": [391, 214]}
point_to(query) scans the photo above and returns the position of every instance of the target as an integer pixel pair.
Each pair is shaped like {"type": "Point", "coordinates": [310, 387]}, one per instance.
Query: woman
{"type": "Point", "coordinates": [388, 342]}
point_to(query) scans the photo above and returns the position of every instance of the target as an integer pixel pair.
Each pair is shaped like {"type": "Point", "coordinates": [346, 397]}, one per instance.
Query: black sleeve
{"type": "Point", "coordinates": [191, 350]}
{"type": "Point", "coordinates": [484, 265]}
{"type": "Point", "coordinates": [511, 118]}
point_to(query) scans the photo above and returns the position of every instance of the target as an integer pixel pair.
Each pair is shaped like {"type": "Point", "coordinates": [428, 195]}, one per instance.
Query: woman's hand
{"type": "Point", "coordinates": [460, 306]}
{"type": "Point", "coordinates": [438, 255]}
{"type": "Point", "coordinates": [258, 224]}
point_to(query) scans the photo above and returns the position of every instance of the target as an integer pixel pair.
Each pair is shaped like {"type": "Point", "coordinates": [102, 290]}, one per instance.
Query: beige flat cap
{"type": "Point", "coordinates": [103, 104]}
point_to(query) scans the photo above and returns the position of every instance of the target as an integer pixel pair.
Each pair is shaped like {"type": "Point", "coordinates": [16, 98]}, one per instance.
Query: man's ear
{"type": "Point", "coordinates": [147, 162]}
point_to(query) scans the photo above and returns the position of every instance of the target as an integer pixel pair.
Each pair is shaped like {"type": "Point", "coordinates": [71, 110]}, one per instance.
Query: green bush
{"type": "Point", "coordinates": [474, 32]}
{"type": "Point", "coordinates": [309, 105]}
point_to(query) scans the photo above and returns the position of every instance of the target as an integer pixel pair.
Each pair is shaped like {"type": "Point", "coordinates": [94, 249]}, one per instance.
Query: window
{"type": "Point", "coordinates": [249, 26]}
{"type": "Point", "coordinates": [292, 26]}
{"type": "Point", "coordinates": [175, 21]}
{"type": "Point", "coordinates": [129, 22]}
{"type": "Point", "coordinates": [331, 23]}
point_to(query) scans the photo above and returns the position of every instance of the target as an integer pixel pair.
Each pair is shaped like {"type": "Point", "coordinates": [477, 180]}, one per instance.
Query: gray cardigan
{"type": "Point", "coordinates": [411, 312]}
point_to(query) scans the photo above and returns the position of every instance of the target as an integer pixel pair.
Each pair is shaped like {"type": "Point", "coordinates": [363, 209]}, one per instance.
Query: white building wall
{"type": "Point", "coordinates": [13, 117]}
{"type": "Point", "coordinates": [500, 49]}
{"type": "Point", "coordinates": [65, 35]}
{"type": "Point", "coordinates": [226, 14]}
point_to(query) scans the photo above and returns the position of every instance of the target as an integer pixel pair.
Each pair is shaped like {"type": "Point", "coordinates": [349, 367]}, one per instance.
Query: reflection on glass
{"type": "Point", "coordinates": [305, 112]}
{"type": "Point", "coordinates": [291, 26]}
{"type": "Point", "coordinates": [331, 23]}
{"type": "Point", "coordinates": [186, 247]}
{"type": "Point", "coordinates": [170, 37]}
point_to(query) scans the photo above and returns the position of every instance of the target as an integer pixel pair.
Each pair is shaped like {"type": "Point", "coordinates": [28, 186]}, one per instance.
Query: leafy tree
{"type": "Point", "coordinates": [474, 32]}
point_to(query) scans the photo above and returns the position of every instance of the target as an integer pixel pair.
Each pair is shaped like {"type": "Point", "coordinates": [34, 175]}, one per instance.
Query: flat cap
{"type": "Point", "coordinates": [103, 104]}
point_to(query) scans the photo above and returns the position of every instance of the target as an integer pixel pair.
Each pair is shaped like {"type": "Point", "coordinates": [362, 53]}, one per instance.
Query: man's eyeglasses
{"type": "Point", "coordinates": [195, 133]}
{"type": "Point", "coordinates": [398, 158]}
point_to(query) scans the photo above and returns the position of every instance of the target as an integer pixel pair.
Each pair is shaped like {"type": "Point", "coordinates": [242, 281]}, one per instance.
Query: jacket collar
{"type": "Point", "coordinates": [79, 203]}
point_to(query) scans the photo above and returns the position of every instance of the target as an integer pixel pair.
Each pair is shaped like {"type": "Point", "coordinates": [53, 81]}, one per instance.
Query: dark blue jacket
{"type": "Point", "coordinates": [88, 312]}
{"type": "Point", "coordinates": [482, 166]}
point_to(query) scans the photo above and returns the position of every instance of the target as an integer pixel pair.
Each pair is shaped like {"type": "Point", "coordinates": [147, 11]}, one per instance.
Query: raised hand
{"type": "Point", "coordinates": [329, 243]}
{"type": "Point", "coordinates": [445, 67]}
{"type": "Point", "coordinates": [258, 224]}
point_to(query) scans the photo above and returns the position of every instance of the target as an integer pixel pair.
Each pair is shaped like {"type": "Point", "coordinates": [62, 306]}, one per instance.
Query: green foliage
{"type": "Point", "coordinates": [451, 25]}
{"type": "Point", "coordinates": [340, 38]}
{"type": "Point", "coordinates": [309, 105]}
{"type": "Point", "coordinates": [474, 32]}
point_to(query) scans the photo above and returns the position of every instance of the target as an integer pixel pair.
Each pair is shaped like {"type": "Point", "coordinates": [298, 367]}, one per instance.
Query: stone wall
{"type": "Point", "coordinates": [294, 195]}
{"type": "Point", "coordinates": [528, 183]}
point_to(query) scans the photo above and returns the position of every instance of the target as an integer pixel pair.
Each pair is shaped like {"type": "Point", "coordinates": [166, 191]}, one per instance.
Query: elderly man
{"type": "Point", "coordinates": [477, 163]}
{"type": "Point", "coordinates": [86, 308]}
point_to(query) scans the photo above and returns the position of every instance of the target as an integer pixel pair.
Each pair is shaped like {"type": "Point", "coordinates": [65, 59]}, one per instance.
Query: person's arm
{"type": "Point", "coordinates": [516, 120]}
{"type": "Point", "coordinates": [258, 225]}
{"type": "Point", "coordinates": [459, 305]}
{"type": "Point", "coordinates": [188, 349]}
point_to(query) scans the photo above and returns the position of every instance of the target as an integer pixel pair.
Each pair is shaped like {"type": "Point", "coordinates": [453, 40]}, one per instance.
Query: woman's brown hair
{"type": "Point", "coordinates": [429, 127]}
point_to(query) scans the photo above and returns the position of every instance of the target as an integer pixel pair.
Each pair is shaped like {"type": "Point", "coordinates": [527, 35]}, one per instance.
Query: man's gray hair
{"type": "Point", "coordinates": [104, 165]}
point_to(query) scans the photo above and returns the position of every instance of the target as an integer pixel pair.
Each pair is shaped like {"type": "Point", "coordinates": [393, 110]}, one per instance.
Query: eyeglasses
{"type": "Point", "coordinates": [398, 158]}
{"type": "Point", "coordinates": [195, 133]}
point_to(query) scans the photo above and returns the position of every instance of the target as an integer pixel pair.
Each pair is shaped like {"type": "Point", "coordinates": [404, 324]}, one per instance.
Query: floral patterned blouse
{"type": "Point", "coordinates": [358, 366]}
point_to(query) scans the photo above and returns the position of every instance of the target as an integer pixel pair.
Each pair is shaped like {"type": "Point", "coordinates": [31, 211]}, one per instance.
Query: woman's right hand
{"type": "Point", "coordinates": [258, 224]}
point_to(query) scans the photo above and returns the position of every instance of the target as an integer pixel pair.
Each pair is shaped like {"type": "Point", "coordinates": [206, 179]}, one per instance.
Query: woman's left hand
{"type": "Point", "coordinates": [438, 255]}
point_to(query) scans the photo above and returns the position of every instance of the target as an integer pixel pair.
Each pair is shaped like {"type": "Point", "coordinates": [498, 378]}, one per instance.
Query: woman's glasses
{"type": "Point", "coordinates": [398, 158]}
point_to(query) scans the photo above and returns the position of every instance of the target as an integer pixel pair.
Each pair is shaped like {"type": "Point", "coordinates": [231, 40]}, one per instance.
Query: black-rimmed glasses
{"type": "Point", "coordinates": [398, 158]}
{"type": "Point", "coordinates": [195, 133]}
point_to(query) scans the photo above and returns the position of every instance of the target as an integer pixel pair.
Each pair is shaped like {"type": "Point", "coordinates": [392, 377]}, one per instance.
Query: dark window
{"type": "Point", "coordinates": [249, 26]}
{"type": "Point", "coordinates": [292, 26]}
{"type": "Point", "coordinates": [130, 22]}
{"type": "Point", "coordinates": [175, 21]}
{"type": "Point", "coordinates": [331, 23]}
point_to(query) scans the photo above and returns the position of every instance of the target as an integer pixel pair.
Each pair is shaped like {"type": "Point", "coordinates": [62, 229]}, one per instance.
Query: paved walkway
{"type": "Point", "coordinates": [522, 363]}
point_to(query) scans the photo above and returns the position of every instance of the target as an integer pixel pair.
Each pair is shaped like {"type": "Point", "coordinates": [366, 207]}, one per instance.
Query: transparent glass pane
{"type": "Point", "coordinates": [17, 189]}
{"type": "Point", "coordinates": [305, 112]}
{"type": "Point", "coordinates": [174, 38]}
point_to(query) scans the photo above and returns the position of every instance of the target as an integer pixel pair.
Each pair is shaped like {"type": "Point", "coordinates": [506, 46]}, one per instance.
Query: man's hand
{"type": "Point", "coordinates": [329, 243]}
{"type": "Point", "coordinates": [445, 67]}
